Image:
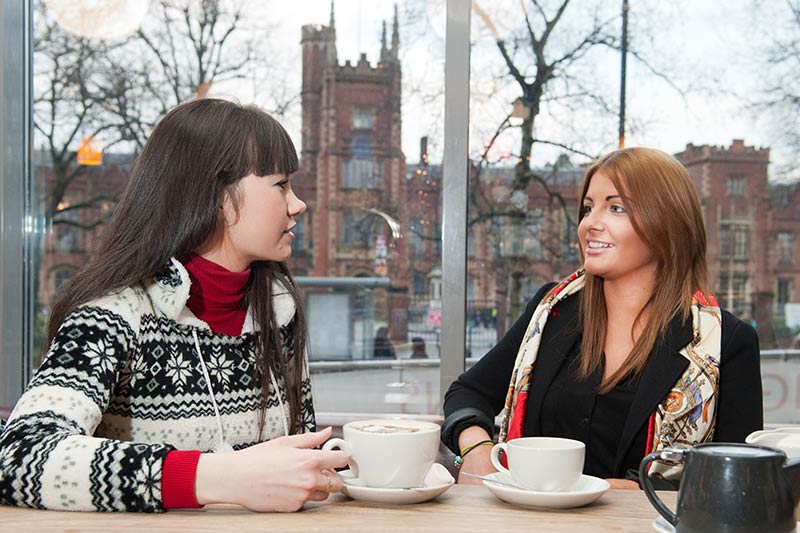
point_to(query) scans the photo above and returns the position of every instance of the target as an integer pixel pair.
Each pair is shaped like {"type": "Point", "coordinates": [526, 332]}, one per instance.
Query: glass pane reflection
{"type": "Point", "coordinates": [367, 252]}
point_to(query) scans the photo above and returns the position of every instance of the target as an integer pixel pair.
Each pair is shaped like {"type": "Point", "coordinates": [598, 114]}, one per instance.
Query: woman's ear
{"type": "Point", "coordinates": [229, 212]}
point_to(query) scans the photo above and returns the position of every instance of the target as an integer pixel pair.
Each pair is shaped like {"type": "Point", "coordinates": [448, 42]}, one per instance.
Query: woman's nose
{"type": "Point", "coordinates": [592, 220]}
{"type": "Point", "coordinates": [296, 205]}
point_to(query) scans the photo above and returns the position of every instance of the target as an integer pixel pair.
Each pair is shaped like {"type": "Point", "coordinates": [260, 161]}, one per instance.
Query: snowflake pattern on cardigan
{"type": "Point", "coordinates": [121, 386]}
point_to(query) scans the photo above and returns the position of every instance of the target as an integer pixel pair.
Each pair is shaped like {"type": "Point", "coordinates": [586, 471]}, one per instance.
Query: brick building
{"type": "Point", "coordinates": [74, 231]}
{"type": "Point", "coordinates": [753, 232]}
{"type": "Point", "coordinates": [517, 242]}
{"type": "Point", "coordinates": [752, 226]}
{"type": "Point", "coordinates": [424, 234]}
{"type": "Point", "coordinates": [353, 172]}
{"type": "Point", "coordinates": [784, 243]}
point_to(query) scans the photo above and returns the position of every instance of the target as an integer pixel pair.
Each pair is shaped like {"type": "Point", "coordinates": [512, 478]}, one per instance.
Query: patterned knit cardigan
{"type": "Point", "coordinates": [121, 386]}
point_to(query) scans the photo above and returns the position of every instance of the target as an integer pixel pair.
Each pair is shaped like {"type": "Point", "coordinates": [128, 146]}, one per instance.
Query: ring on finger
{"type": "Point", "coordinates": [330, 483]}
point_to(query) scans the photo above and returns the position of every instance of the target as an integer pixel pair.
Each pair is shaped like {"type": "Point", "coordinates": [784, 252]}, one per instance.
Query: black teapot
{"type": "Point", "coordinates": [729, 488]}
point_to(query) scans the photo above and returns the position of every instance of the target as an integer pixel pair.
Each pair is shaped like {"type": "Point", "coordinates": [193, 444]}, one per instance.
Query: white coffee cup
{"type": "Point", "coordinates": [388, 453]}
{"type": "Point", "coordinates": [544, 464]}
{"type": "Point", "coordinates": [783, 438]}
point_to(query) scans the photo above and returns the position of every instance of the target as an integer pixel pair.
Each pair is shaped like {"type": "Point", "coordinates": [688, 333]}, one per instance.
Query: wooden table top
{"type": "Point", "coordinates": [462, 508]}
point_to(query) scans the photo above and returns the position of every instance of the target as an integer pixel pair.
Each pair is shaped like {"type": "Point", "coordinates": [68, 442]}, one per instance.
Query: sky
{"type": "Point", "coordinates": [709, 49]}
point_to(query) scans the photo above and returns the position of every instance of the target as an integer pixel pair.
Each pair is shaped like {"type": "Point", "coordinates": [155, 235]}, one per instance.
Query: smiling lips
{"type": "Point", "coordinates": [596, 247]}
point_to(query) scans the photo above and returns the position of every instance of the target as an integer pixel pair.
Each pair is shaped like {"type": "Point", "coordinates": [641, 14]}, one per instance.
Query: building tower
{"type": "Point", "coordinates": [352, 172]}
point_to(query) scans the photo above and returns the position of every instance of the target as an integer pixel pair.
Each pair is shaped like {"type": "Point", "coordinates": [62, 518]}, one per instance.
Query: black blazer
{"type": "Point", "coordinates": [478, 395]}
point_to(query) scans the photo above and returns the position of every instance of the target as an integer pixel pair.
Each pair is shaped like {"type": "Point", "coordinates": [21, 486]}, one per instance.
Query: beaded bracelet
{"type": "Point", "coordinates": [460, 458]}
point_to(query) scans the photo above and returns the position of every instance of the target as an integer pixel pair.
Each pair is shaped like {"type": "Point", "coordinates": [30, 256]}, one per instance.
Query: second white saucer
{"type": "Point", "coordinates": [662, 526]}
{"type": "Point", "coordinates": [393, 496]}
{"type": "Point", "coordinates": [587, 490]}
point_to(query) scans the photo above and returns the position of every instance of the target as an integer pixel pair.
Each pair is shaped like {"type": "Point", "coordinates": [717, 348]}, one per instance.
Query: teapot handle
{"type": "Point", "coordinates": [669, 455]}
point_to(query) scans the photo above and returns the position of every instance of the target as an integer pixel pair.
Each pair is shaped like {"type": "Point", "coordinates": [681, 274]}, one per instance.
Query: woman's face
{"type": "Point", "coordinates": [260, 230]}
{"type": "Point", "coordinates": [611, 247]}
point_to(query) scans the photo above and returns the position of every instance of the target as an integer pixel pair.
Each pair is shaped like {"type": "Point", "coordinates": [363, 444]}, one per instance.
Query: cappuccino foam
{"type": "Point", "coordinates": [386, 428]}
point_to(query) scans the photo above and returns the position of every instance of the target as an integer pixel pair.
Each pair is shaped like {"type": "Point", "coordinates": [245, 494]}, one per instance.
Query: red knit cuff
{"type": "Point", "coordinates": [178, 475]}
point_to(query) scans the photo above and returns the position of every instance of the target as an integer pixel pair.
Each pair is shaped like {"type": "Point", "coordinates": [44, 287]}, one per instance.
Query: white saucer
{"type": "Point", "coordinates": [662, 526]}
{"type": "Point", "coordinates": [585, 491]}
{"type": "Point", "coordinates": [393, 496]}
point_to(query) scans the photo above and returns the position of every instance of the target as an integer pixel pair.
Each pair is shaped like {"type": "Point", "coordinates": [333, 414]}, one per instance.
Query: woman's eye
{"type": "Point", "coordinates": [618, 209]}
{"type": "Point", "coordinates": [282, 184]}
{"type": "Point", "coordinates": [587, 209]}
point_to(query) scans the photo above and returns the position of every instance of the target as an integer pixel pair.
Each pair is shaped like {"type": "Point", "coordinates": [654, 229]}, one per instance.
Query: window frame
{"type": "Point", "coordinates": [18, 231]}
{"type": "Point", "coordinates": [741, 244]}
{"type": "Point", "coordinates": [20, 236]}
{"type": "Point", "coordinates": [785, 243]}
{"type": "Point", "coordinates": [736, 185]}
{"type": "Point", "coordinates": [361, 113]}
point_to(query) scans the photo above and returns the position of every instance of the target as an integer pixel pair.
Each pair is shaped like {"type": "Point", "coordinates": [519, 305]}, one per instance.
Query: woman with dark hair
{"type": "Point", "coordinates": [182, 336]}
{"type": "Point", "coordinates": [629, 354]}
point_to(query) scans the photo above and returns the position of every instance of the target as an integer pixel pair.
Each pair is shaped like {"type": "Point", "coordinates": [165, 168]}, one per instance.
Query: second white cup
{"type": "Point", "coordinates": [544, 464]}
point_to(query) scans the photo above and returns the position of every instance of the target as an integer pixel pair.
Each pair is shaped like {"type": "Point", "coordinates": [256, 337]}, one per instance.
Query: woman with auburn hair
{"type": "Point", "coordinates": [181, 340]}
{"type": "Point", "coordinates": [629, 354]}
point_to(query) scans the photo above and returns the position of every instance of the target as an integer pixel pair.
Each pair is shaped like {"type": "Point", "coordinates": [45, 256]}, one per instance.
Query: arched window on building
{"type": "Point", "coordinates": [362, 170]}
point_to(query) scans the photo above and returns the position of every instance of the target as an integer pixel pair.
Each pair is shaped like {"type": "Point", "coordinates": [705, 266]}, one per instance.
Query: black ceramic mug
{"type": "Point", "coordinates": [729, 488]}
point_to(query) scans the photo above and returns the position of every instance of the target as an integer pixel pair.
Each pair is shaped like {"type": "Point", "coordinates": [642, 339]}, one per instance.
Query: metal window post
{"type": "Point", "coordinates": [454, 219]}
{"type": "Point", "coordinates": [15, 130]}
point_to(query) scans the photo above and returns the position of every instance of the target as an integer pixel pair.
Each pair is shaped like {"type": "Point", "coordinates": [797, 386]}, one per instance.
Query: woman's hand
{"type": "Point", "coordinates": [279, 475]}
{"type": "Point", "coordinates": [477, 461]}
{"type": "Point", "coordinates": [623, 484]}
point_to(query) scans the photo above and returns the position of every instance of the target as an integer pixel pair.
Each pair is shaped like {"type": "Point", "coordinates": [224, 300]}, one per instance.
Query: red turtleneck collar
{"type": "Point", "coordinates": [217, 295]}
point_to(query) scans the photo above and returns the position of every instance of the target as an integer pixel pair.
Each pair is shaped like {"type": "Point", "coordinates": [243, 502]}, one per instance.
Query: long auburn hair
{"type": "Point", "coordinates": [195, 156]}
{"type": "Point", "coordinates": [665, 213]}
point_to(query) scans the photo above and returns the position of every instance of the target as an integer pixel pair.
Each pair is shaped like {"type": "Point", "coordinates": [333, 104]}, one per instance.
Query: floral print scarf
{"type": "Point", "coordinates": [685, 417]}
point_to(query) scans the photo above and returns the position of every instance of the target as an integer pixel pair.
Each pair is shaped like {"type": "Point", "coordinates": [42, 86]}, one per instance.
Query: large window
{"type": "Point", "coordinates": [361, 173]}
{"type": "Point", "coordinates": [518, 238]}
{"type": "Point", "coordinates": [741, 246]}
{"type": "Point", "coordinates": [783, 294]}
{"type": "Point", "coordinates": [724, 242]}
{"type": "Point", "coordinates": [358, 228]}
{"type": "Point", "coordinates": [362, 119]}
{"type": "Point", "coordinates": [97, 95]}
{"type": "Point", "coordinates": [785, 242]}
{"type": "Point", "coordinates": [734, 240]}
{"type": "Point", "coordinates": [736, 185]}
